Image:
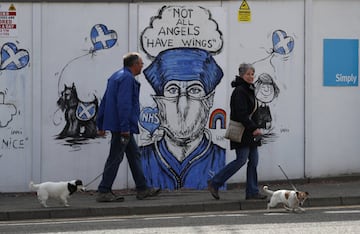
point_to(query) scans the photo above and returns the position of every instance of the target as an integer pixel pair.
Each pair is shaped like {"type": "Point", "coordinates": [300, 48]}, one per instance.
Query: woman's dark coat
{"type": "Point", "coordinates": [242, 104]}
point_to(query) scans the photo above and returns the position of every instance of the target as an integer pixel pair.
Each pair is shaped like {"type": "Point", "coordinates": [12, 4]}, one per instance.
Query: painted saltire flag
{"type": "Point", "coordinates": [341, 62]}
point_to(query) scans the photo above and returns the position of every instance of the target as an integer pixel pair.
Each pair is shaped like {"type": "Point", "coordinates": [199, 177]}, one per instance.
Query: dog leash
{"type": "Point", "coordinates": [292, 185]}
{"type": "Point", "coordinates": [93, 180]}
{"type": "Point", "coordinates": [97, 177]}
{"type": "Point", "coordinates": [113, 162]}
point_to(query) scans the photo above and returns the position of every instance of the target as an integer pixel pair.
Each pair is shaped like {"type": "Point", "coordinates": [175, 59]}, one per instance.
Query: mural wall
{"type": "Point", "coordinates": [52, 79]}
{"type": "Point", "coordinates": [15, 96]}
{"type": "Point", "coordinates": [183, 45]}
{"type": "Point", "coordinates": [80, 59]}
{"type": "Point", "coordinates": [178, 127]}
{"type": "Point", "coordinates": [185, 88]}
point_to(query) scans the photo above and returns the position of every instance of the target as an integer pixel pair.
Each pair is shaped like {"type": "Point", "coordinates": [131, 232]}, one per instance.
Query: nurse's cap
{"type": "Point", "coordinates": [183, 64]}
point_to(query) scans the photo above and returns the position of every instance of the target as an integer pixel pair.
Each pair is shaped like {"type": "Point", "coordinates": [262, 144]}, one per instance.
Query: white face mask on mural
{"type": "Point", "coordinates": [184, 110]}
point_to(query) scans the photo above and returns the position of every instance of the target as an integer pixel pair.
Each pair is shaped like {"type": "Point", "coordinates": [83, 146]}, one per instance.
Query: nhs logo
{"type": "Point", "coordinates": [341, 62]}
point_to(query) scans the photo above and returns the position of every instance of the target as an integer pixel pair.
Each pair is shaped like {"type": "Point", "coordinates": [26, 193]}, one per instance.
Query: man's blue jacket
{"type": "Point", "coordinates": [119, 109]}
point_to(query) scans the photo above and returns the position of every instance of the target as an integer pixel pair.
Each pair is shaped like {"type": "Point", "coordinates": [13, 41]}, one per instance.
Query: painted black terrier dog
{"type": "Point", "coordinates": [80, 116]}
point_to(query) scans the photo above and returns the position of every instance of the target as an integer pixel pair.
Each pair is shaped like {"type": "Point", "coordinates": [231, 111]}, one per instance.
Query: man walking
{"type": "Point", "coordinates": [119, 113]}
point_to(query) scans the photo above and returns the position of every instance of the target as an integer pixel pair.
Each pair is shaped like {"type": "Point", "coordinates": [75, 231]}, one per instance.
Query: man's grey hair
{"type": "Point", "coordinates": [131, 58]}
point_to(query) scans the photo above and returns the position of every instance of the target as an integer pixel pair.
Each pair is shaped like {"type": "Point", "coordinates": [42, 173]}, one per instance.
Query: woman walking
{"type": "Point", "coordinates": [242, 105]}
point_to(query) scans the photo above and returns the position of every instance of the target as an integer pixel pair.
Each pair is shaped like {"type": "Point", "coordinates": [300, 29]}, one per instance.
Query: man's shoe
{"type": "Point", "coordinates": [257, 196]}
{"type": "Point", "coordinates": [109, 197]}
{"type": "Point", "coordinates": [214, 192]}
{"type": "Point", "coordinates": [150, 192]}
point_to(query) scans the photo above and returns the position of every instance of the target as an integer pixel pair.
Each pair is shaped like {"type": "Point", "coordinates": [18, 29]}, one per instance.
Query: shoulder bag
{"type": "Point", "coordinates": [236, 129]}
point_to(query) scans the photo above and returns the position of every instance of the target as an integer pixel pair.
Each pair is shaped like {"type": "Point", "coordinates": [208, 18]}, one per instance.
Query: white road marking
{"type": "Point", "coordinates": [274, 214]}
{"type": "Point", "coordinates": [342, 211]}
{"type": "Point", "coordinates": [162, 218]}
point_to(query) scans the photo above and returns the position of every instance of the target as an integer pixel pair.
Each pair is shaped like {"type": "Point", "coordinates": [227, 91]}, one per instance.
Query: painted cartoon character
{"type": "Point", "coordinates": [183, 156]}
{"type": "Point", "coordinates": [79, 116]}
{"type": "Point", "coordinates": [266, 91]}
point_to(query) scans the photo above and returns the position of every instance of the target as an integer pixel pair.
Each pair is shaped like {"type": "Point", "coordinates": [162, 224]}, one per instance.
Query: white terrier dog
{"type": "Point", "coordinates": [57, 190]}
{"type": "Point", "coordinates": [292, 200]}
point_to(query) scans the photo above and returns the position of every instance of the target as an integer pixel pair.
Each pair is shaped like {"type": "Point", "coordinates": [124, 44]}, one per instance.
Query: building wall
{"type": "Point", "coordinates": [331, 111]}
{"type": "Point", "coordinates": [311, 133]}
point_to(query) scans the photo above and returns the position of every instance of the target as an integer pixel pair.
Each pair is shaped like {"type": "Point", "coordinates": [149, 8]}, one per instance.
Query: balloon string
{"type": "Point", "coordinates": [62, 70]}
{"type": "Point", "coordinates": [260, 60]}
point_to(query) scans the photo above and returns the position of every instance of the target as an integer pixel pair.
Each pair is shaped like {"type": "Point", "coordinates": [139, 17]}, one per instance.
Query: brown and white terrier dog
{"type": "Point", "coordinates": [292, 200]}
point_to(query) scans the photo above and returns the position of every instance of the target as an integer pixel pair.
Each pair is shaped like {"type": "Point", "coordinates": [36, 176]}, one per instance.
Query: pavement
{"type": "Point", "coordinates": [339, 191]}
